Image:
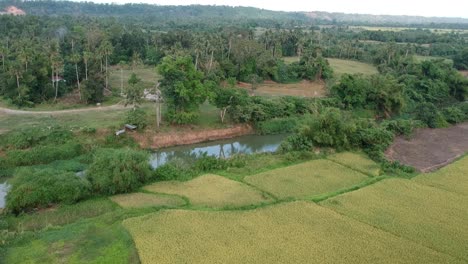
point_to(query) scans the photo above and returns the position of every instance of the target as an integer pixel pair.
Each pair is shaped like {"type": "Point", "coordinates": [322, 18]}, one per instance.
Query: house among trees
{"type": "Point", "coordinates": [57, 79]}
{"type": "Point", "coordinates": [13, 10]}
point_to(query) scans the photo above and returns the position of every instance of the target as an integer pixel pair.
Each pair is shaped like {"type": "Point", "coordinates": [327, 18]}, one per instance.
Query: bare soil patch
{"type": "Point", "coordinates": [154, 140]}
{"type": "Point", "coordinates": [430, 149]}
{"type": "Point", "coordinates": [304, 88]}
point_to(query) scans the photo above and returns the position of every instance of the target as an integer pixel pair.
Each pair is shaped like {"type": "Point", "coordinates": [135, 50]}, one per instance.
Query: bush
{"type": "Point", "coordinates": [207, 163]}
{"type": "Point", "coordinates": [118, 170]}
{"type": "Point", "coordinates": [171, 172]}
{"type": "Point", "coordinates": [453, 115]}
{"type": "Point", "coordinates": [31, 137]}
{"type": "Point", "coordinates": [428, 113]}
{"type": "Point", "coordinates": [182, 118]}
{"type": "Point", "coordinates": [137, 117]}
{"type": "Point", "coordinates": [402, 126]}
{"type": "Point", "coordinates": [278, 126]}
{"type": "Point", "coordinates": [39, 188]}
{"type": "Point", "coordinates": [43, 154]}
{"type": "Point", "coordinates": [296, 142]}
{"type": "Point", "coordinates": [330, 129]}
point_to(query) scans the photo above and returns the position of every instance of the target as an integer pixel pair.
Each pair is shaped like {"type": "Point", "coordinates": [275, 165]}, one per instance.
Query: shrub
{"type": "Point", "coordinates": [296, 142]}
{"type": "Point", "coordinates": [402, 126]}
{"type": "Point", "coordinates": [118, 170]}
{"type": "Point", "coordinates": [39, 188]}
{"type": "Point", "coordinates": [278, 126]}
{"type": "Point", "coordinates": [181, 118]}
{"type": "Point", "coordinates": [170, 172]}
{"type": "Point", "coordinates": [31, 137]}
{"type": "Point", "coordinates": [43, 154]}
{"type": "Point", "coordinates": [428, 113]}
{"type": "Point", "coordinates": [453, 115]}
{"type": "Point", "coordinates": [330, 129]}
{"type": "Point", "coordinates": [207, 163]}
{"type": "Point", "coordinates": [137, 117]}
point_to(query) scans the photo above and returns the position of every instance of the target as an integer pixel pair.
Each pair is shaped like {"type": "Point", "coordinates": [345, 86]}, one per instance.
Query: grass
{"type": "Point", "coordinates": [147, 74]}
{"type": "Point", "coordinates": [303, 88]}
{"type": "Point", "coordinates": [299, 232]}
{"type": "Point", "coordinates": [420, 58]}
{"type": "Point", "coordinates": [212, 191]}
{"type": "Point", "coordinates": [431, 217]}
{"type": "Point", "coordinates": [138, 200]}
{"type": "Point", "coordinates": [397, 29]}
{"type": "Point", "coordinates": [341, 67]}
{"type": "Point", "coordinates": [357, 162]}
{"type": "Point", "coordinates": [96, 119]}
{"type": "Point", "coordinates": [452, 178]}
{"type": "Point", "coordinates": [82, 242]}
{"type": "Point", "coordinates": [60, 216]}
{"type": "Point", "coordinates": [306, 180]}
{"type": "Point", "coordinates": [289, 60]}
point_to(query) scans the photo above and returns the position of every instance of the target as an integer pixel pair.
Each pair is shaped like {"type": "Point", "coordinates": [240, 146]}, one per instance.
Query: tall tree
{"type": "Point", "coordinates": [182, 87]}
{"type": "Point", "coordinates": [75, 58]}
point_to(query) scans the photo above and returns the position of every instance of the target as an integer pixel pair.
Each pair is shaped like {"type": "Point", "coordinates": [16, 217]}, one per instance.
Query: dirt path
{"type": "Point", "coordinates": [25, 112]}
{"type": "Point", "coordinates": [430, 149]}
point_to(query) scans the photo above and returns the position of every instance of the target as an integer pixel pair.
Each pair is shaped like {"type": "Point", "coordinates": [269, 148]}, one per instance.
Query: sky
{"type": "Point", "coordinates": [446, 8]}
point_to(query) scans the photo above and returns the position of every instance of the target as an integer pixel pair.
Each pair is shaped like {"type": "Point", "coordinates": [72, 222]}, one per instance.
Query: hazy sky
{"type": "Point", "coordinates": [446, 8]}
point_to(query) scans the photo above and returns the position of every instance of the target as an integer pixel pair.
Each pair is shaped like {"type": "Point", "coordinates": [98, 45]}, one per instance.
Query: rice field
{"type": "Point", "coordinates": [357, 162]}
{"type": "Point", "coordinates": [429, 216]}
{"type": "Point", "coordinates": [299, 232]}
{"type": "Point", "coordinates": [306, 180]}
{"type": "Point", "coordinates": [139, 200]}
{"type": "Point", "coordinates": [452, 178]}
{"type": "Point", "coordinates": [212, 191]}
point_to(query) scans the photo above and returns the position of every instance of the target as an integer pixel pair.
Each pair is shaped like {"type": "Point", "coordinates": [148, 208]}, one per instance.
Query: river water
{"type": "Point", "coordinates": [4, 187]}
{"type": "Point", "coordinates": [221, 148]}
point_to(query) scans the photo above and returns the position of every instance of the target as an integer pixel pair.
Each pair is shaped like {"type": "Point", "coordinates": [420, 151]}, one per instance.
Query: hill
{"type": "Point", "coordinates": [157, 14]}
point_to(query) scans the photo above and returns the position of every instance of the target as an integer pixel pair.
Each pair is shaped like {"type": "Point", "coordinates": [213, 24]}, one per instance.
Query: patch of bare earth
{"type": "Point", "coordinates": [154, 140]}
{"type": "Point", "coordinates": [304, 88]}
{"type": "Point", "coordinates": [430, 149]}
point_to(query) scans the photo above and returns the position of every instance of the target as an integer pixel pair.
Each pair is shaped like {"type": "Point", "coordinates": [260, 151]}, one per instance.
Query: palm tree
{"type": "Point", "coordinates": [106, 50]}
{"type": "Point", "coordinates": [76, 58]}
{"type": "Point", "coordinates": [3, 52]}
{"type": "Point", "coordinates": [87, 55]}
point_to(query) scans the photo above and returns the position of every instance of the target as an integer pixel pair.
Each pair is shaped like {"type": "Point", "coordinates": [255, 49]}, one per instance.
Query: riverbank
{"type": "Point", "coordinates": [154, 140]}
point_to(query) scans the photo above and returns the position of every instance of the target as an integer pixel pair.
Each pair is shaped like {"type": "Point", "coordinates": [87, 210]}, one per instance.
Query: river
{"type": "Point", "coordinates": [221, 148]}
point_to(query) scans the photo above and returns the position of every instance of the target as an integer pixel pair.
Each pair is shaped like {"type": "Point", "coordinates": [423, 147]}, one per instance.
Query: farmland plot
{"type": "Point", "coordinates": [306, 180]}
{"type": "Point", "coordinates": [429, 216]}
{"type": "Point", "coordinates": [212, 191]}
{"type": "Point", "coordinates": [137, 200]}
{"type": "Point", "coordinates": [299, 232]}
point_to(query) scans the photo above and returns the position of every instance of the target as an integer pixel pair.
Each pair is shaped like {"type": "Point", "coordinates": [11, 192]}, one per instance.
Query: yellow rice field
{"type": "Point", "coordinates": [138, 200]}
{"type": "Point", "coordinates": [212, 191]}
{"type": "Point", "coordinates": [357, 162]}
{"type": "Point", "coordinates": [432, 217]}
{"type": "Point", "coordinates": [307, 179]}
{"type": "Point", "coordinates": [452, 178]}
{"type": "Point", "coordinates": [299, 232]}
